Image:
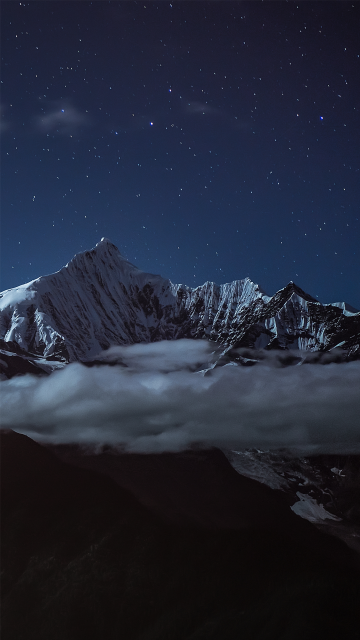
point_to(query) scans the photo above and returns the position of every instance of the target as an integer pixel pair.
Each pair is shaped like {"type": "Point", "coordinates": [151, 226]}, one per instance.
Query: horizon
{"type": "Point", "coordinates": [351, 308]}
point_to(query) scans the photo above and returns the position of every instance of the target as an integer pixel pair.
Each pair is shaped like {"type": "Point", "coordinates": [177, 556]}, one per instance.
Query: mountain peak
{"type": "Point", "coordinates": [106, 241]}
{"type": "Point", "coordinates": [104, 254]}
{"type": "Point", "coordinates": [292, 288]}
{"type": "Point", "coordinates": [100, 299]}
{"type": "Point", "coordinates": [109, 249]}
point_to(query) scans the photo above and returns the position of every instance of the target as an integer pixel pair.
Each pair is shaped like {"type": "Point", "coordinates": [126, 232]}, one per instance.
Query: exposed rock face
{"type": "Point", "coordinates": [100, 299]}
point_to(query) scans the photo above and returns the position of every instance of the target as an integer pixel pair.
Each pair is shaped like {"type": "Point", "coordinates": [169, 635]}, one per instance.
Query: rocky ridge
{"type": "Point", "coordinates": [100, 299]}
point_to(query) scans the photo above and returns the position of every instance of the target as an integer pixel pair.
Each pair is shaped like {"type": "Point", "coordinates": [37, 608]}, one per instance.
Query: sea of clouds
{"type": "Point", "coordinates": [154, 397]}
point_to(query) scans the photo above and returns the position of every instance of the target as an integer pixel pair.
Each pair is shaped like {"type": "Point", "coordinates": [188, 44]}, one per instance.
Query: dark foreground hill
{"type": "Point", "coordinates": [82, 558]}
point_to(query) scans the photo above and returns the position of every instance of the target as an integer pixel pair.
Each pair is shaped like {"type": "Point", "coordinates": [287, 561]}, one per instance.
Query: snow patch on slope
{"type": "Point", "coordinates": [309, 509]}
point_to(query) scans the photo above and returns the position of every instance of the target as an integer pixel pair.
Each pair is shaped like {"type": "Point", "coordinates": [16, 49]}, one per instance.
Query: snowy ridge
{"type": "Point", "coordinates": [100, 299]}
{"type": "Point", "coordinates": [81, 309]}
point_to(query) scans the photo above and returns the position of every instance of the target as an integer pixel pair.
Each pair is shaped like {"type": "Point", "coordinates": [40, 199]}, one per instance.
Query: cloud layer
{"type": "Point", "coordinates": [152, 400]}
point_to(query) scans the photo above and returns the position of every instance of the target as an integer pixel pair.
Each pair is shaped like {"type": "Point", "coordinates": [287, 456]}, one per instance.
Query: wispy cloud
{"type": "Point", "coordinates": [202, 108]}
{"type": "Point", "coordinates": [198, 108]}
{"type": "Point", "coordinates": [153, 401]}
{"type": "Point", "coordinates": [61, 117]}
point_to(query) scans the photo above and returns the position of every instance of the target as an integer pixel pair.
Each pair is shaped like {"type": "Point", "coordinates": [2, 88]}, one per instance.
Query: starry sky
{"type": "Point", "coordinates": [207, 140]}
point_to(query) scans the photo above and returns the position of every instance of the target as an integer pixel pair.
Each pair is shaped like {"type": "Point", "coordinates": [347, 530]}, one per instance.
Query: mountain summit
{"type": "Point", "coordinates": [100, 299]}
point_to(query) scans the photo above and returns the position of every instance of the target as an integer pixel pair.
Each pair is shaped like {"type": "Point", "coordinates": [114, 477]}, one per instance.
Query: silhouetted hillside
{"type": "Point", "coordinates": [82, 558]}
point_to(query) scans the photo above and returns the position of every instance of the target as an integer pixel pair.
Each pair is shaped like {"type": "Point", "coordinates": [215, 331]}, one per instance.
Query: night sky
{"type": "Point", "coordinates": [207, 140]}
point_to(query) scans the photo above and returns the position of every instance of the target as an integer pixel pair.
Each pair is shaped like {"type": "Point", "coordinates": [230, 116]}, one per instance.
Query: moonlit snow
{"type": "Point", "coordinates": [309, 509]}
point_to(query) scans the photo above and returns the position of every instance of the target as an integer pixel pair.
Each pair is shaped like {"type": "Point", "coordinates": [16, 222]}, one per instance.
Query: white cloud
{"type": "Point", "coordinates": [163, 356]}
{"type": "Point", "coordinates": [154, 401]}
{"type": "Point", "coordinates": [62, 117]}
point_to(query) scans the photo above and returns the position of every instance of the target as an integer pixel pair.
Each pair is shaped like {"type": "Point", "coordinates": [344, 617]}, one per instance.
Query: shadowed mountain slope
{"type": "Point", "coordinates": [82, 558]}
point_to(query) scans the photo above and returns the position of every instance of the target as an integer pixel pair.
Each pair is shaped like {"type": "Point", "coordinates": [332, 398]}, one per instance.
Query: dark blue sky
{"type": "Point", "coordinates": [207, 140]}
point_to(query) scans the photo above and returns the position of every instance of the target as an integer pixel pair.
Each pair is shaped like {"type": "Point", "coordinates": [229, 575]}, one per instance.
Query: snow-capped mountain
{"type": "Point", "coordinates": [100, 299]}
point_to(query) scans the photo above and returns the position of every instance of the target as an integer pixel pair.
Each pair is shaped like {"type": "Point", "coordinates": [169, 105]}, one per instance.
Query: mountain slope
{"type": "Point", "coordinates": [83, 558]}
{"type": "Point", "coordinates": [100, 299]}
